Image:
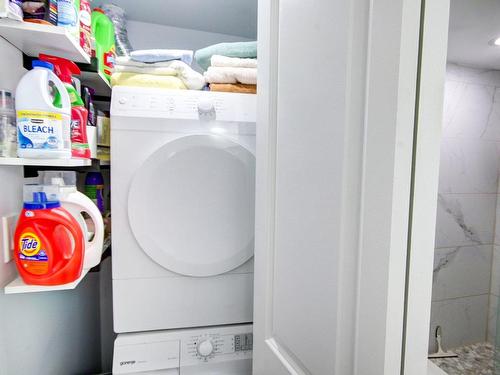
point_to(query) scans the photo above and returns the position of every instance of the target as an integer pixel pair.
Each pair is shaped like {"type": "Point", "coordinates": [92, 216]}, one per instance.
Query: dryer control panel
{"type": "Point", "coordinates": [183, 104]}
{"type": "Point", "coordinates": [222, 350]}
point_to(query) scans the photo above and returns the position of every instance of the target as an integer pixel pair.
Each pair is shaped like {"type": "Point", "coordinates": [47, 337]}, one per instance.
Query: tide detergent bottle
{"type": "Point", "coordinates": [49, 242]}
{"type": "Point", "coordinates": [43, 129]}
{"type": "Point", "coordinates": [64, 69]}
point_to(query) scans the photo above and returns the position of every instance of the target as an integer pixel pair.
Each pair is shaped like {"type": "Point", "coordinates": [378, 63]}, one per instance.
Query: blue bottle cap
{"type": "Point", "coordinates": [52, 204]}
{"type": "Point", "coordinates": [42, 64]}
{"type": "Point", "coordinates": [40, 202]}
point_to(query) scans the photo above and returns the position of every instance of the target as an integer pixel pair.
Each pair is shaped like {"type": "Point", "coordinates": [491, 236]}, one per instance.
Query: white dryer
{"type": "Point", "coordinates": [183, 178]}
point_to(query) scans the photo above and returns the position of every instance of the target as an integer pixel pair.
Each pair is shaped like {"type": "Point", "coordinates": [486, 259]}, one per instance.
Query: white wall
{"type": "Point", "coordinates": [146, 35]}
{"type": "Point", "coordinates": [53, 333]}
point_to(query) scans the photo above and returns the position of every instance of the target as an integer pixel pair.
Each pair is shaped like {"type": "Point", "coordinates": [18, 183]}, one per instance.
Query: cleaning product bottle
{"type": "Point", "coordinates": [77, 203]}
{"type": "Point", "coordinates": [88, 94]}
{"type": "Point", "coordinates": [63, 69]}
{"type": "Point", "coordinates": [85, 26]}
{"type": "Point", "coordinates": [48, 240]}
{"type": "Point", "coordinates": [104, 34]}
{"type": "Point", "coordinates": [88, 99]}
{"type": "Point", "coordinates": [43, 130]}
{"type": "Point", "coordinates": [8, 127]}
{"type": "Point", "coordinates": [94, 189]}
{"type": "Point", "coordinates": [68, 16]}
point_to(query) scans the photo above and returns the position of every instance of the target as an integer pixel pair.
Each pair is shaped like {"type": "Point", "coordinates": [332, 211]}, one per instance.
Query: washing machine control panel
{"type": "Point", "coordinates": [214, 346]}
{"type": "Point", "coordinates": [226, 350]}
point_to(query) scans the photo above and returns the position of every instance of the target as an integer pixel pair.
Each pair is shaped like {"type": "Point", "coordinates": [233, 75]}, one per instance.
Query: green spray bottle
{"type": "Point", "coordinates": [104, 35]}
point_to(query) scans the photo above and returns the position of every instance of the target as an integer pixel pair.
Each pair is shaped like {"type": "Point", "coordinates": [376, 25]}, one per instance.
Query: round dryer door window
{"type": "Point", "coordinates": [191, 205]}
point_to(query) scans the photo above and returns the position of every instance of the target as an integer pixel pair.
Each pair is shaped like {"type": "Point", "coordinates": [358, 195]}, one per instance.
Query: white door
{"type": "Point", "coordinates": [337, 86]}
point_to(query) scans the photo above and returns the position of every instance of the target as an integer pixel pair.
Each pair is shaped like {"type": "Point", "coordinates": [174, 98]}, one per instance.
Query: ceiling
{"type": "Point", "coordinates": [232, 17]}
{"type": "Point", "coordinates": [473, 24]}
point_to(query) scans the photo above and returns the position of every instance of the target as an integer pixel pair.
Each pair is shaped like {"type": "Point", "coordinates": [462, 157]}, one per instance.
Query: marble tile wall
{"type": "Point", "coordinates": [464, 297]}
{"type": "Point", "coordinates": [493, 310]}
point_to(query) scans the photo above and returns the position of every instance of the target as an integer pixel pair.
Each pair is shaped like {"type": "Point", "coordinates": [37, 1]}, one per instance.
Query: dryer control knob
{"type": "Point", "coordinates": [206, 105]}
{"type": "Point", "coordinates": [206, 110]}
{"type": "Point", "coordinates": [205, 348]}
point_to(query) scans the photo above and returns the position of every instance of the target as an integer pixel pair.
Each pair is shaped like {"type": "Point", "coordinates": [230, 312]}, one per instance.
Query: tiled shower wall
{"type": "Point", "coordinates": [495, 279]}
{"type": "Point", "coordinates": [463, 298]}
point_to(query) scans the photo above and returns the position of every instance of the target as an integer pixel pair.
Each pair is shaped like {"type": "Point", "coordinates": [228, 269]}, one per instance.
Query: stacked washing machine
{"type": "Point", "coordinates": [183, 178]}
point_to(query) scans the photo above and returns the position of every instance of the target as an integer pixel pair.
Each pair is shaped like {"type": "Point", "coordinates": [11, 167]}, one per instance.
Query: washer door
{"type": "Point", "coordinates": [191, 205]}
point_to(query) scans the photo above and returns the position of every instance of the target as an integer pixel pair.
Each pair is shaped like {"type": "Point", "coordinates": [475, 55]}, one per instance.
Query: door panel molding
{"type": "Point", "coordinates": [288, 360]}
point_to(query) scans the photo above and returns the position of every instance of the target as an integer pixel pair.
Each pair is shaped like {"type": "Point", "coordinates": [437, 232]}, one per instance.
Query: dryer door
{"type": "Point", "coordinates": [191, 205]}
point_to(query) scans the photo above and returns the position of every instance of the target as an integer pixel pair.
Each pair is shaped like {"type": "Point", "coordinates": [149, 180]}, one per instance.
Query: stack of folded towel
{"type": "Point", "coordinates": [230, 67]}
{"type": "Point", "coordinates": [168, 69]}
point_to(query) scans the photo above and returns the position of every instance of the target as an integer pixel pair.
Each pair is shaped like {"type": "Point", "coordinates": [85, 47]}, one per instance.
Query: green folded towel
{"type": "Point", "coordinates": [237, 49]}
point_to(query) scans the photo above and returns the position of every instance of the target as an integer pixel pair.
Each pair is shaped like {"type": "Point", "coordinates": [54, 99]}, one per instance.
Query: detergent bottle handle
{"type": "Point", "coordinates": [66, 103]}
{"type": "Point", "coordinates": [94, 248]}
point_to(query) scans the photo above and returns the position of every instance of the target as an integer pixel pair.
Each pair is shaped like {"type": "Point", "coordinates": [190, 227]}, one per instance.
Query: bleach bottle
{"type": "Point", "coordinates": [48, 241]}
{"type": "Point", "coordinates": [63, 69]}
{"type": "Point", "coordinates": [43, 130]}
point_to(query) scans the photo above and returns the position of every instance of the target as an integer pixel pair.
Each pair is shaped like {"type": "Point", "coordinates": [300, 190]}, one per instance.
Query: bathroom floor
{"type": "Point", "coordinates": [476, 359]}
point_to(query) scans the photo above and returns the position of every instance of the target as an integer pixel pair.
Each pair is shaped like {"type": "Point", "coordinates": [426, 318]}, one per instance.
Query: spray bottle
{"type": "Point", "coordinates": [63, 69]}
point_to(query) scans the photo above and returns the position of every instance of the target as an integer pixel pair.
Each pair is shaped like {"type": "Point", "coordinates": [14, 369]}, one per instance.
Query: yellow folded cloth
{"type": "Point", "coordinates": [241, 88]}
{"type": "Point", "coordinates": [146, 80]}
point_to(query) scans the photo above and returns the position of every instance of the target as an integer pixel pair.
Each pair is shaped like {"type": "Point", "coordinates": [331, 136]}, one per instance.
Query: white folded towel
{"type": "Point", "coordinates": [157, 55]}
{"type": "Point", "coordinates": [216, 74]}
{"type": "Point", "coordinates": [127, 61]}
{"type": "Point", "coordinates": [160, 70]}
{"type": "Point", "coordinates": [192, 79]}
{"type": "Point", "coordinates": [236, 62]}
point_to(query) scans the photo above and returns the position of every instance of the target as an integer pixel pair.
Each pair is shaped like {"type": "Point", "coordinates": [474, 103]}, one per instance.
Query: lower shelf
{"type": "Point", "coordinates": [18, 286]}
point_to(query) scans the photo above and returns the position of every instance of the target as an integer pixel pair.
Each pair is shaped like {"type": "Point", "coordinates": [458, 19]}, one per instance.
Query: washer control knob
{"type": "Point", "coordinates": [122, 100]}
{"type": "Point", "coordinates": [205, 348]}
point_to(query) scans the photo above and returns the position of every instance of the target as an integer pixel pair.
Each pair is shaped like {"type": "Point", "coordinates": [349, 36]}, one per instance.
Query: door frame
{"type": "Point", "coordinates": [425, 180]}
{"type": "Point", "coordinates": [372, 314]}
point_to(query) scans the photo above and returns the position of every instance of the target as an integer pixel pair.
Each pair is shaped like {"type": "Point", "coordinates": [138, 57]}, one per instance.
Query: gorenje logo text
{"type": "Point", "coordinates": [123, 363]}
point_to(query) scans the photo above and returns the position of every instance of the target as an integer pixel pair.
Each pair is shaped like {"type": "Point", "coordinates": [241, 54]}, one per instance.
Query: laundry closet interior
{"type": "Point", "coordinates": [173, 180]}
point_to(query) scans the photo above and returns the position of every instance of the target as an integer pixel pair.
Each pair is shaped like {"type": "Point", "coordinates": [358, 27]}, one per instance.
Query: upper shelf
{"type": "Point", "coordinates": [34, 39]}
{"type": "Point", "coordinates": [46, 162]}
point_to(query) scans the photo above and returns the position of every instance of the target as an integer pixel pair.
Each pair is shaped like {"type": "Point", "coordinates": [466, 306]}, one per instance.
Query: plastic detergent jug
{"type": "Point", "coordinates": [63, 69]}
{"type": "Point", "coordinates": [77, 203]}
{"type": "Point", "coordinates": [48, 240]}
{"type": "Point", "coordinates": [43, 130]}
{"type": "Point", "coordinates": [104, 34]}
